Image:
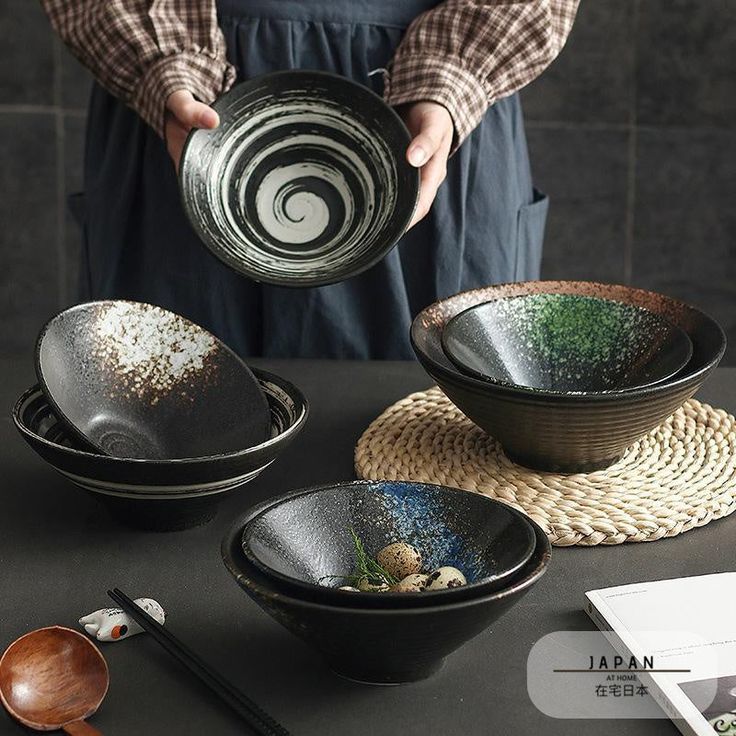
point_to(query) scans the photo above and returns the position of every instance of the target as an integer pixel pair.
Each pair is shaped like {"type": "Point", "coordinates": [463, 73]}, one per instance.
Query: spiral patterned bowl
{"type": "Point", "coordinates": [304, 182]}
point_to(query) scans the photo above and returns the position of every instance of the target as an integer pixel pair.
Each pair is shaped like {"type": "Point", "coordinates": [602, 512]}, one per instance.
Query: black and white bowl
{"type": "Point", "coordinates": [305, 181]}
{"type": "Point", "coordinates": [161, 494]}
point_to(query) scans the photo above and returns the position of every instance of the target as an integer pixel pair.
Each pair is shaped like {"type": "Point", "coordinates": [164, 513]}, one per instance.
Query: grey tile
{"type": "Point", "coordinates": [74, 127]}
{"type": "Point", "coordinates": [584, 173]}
{"type": "Point", "coordinates": [28, 211]}
{"type": "Point", "coordinates": [591, 80]}
{"type": "Point", "coordinates": [685, 222]}
{"type": "Point", "coordinates": [27, 71]}
{"type": "Point", "coordinates": [76, 82]}
{"type": "Point", "coordinates": [686, 63]}
{"type": "Point", "coordinates": [73, 292]}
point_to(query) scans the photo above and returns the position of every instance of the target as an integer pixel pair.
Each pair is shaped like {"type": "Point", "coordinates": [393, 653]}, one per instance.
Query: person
{"type": "Point", "coordinates": [451, 68]}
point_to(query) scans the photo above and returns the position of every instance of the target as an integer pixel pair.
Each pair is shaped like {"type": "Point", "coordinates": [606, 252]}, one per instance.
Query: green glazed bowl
{"type": "Point", "coordinates": [566, 343]}
{"type": "Point", "coordinates": [567, 432]}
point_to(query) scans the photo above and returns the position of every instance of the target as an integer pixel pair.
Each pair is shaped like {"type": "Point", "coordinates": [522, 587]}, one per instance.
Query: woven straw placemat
{"type": "Point", "coordinates": [680, 476]}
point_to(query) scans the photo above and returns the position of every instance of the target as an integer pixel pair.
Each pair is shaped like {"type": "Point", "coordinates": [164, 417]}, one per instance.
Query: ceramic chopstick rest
{"type": "Point", "coordinates": [113, 624]}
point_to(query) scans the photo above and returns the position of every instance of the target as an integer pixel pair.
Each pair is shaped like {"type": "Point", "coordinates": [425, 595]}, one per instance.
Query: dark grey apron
{"type": "Point", "coordinates": [486, 224]}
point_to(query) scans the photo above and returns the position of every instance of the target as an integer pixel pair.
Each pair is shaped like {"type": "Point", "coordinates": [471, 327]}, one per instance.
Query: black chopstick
{"type": "Point", "coordinates": [262, 723]}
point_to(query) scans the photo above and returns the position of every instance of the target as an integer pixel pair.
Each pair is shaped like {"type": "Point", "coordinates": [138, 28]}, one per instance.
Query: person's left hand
{"type": "Point", "coordinates": [432, 130]}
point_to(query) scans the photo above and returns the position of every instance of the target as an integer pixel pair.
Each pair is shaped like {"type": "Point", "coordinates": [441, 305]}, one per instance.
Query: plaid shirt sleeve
{"type": "Point", "coordinates": [466, 54]}
{"type": "Point", "coordinates": [143, 50]}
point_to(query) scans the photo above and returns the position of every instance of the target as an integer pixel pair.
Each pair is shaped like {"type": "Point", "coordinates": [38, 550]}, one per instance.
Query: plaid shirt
{"type": "Point", "coordinates": [464, 54]}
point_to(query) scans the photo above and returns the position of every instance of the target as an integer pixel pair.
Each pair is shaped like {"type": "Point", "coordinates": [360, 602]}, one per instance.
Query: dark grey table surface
{"type": "Point", "coordinates": [59, 552]}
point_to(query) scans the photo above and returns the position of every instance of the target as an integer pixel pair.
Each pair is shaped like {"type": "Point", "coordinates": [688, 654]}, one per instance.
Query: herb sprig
{"type": "Point", "coordinates": [366, 567]}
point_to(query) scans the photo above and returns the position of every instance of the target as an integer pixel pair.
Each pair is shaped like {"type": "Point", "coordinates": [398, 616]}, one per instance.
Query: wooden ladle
{"type": "Point", "coordinates": [53, 678]}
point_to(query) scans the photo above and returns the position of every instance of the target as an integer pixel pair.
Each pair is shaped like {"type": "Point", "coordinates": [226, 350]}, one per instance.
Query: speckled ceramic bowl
{"type": "Point", "coordinates": [565, 343]}
{"type": "Point", "coordinates": [304, 541]}
{"type": "Point", "coordinates": [567, 433]}
{"type": "Point", "coordinates": [305, 181]}
{"type": "Point", "coordinates": [382, 646]}
{"type": "Point", "coordinates": [134, 380]}
{"type": "Point", "coordinates": [161, 494]}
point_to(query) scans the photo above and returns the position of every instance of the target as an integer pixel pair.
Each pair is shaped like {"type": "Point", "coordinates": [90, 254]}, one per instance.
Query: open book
{"type": "Point", "coordinates": [682, 633]}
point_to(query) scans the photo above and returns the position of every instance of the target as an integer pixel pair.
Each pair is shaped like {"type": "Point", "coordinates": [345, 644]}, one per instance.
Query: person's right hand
{"type": "Point", "coordinates": [183, 113]}
{"type": "Point", "coordinates": [431, 129]}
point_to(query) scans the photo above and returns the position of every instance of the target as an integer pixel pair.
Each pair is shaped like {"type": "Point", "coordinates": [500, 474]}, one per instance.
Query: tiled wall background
{"type": "Point", "coordinates": [632, 133]}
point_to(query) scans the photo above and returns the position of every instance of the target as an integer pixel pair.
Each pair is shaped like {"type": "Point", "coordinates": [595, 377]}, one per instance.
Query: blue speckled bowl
{"type": "Point", "coordinates": [383, 645]}
{"type": "Point", "coordinates": [303, 538]}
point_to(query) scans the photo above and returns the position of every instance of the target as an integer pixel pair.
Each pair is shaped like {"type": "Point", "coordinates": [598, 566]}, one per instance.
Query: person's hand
{"type": "Point", "coordinates": [183, 113]}
{"type": "Point", "coordinates": [432, 130]}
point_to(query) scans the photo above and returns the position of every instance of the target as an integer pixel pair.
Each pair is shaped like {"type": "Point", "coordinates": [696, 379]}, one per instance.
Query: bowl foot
{"type": "Point", "coordinates": [534, 462]}
{"type": "Point", "coordinates": [384, 676]}
{"type": "Point", "coordinates": [159, 515]}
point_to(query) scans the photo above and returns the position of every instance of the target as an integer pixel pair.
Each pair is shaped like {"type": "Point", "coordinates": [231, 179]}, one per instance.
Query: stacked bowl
{"type": "Point", "coordinates": [587, 417]}
{"type": "Point", "coordinates": [152, 414]}
{"type": "Point", "coordinates": [292, 553]}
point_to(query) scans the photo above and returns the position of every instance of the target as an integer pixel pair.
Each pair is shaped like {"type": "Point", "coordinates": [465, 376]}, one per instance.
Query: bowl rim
{"type": "Point", "coordinates": [230, 549]}
{"type": "Point", "coordinates": [293, 429]}
{"type": "Point", "coordinates": [83, 306]}
{"type": "Point", "coordinates": [516, 393]}
{"type": "Point", "coordinates": [468, 371]}
{"type": "Point", "coordinates": [234, 263]}
{"type": "Point", "coordinates": [389, 597]}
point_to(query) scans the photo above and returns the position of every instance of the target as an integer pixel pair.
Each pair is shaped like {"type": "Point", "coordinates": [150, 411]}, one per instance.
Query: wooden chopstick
{"type": "Point", "coordinates": [262, 723]}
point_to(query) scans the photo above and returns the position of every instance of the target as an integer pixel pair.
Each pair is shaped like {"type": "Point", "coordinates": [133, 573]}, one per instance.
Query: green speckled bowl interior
{"type": "Point", "coordinates": [565, 343]}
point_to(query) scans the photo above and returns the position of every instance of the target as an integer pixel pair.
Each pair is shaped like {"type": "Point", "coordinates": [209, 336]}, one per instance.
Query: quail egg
{"type": "Point", "coordinates": [413, 583]}
{"type": "Point", "coordinates": [400, 559]}
{"type": "Point", "coordinates": [366, 586]}
{"type": "Point", "coordinates": [445, 577]}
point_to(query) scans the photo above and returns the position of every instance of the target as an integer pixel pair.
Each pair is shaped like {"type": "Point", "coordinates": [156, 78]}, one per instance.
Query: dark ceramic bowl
{"type": "Point", "coordinates": [134, 380]}
{"type": "Point", "coordinates": [565, 343]}
{"type": "Point", "coordinates": [303, 539]}
{"type": "Point", "coordinates": [382, 646]}
{"type": "Point", "coordinates": [575, 432]}
{"type": "Point", "coordinates": [304, 182]}
{"type": "Point", "coordinates": [161, 494]}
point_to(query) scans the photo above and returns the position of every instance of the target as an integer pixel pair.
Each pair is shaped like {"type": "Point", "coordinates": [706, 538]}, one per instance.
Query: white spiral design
{"type": "Point", "coordinates": [296, 186]}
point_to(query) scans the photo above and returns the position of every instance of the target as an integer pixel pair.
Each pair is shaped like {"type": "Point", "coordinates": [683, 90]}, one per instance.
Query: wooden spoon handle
{"type": "Point", "coordinates": [81, 728]}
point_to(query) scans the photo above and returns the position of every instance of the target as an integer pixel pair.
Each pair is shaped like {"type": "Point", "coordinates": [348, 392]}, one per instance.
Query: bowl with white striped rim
{"type": "Point", "coordinates": [304, 182]}
{"type": "Point", "coordinates": [161, 494]}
